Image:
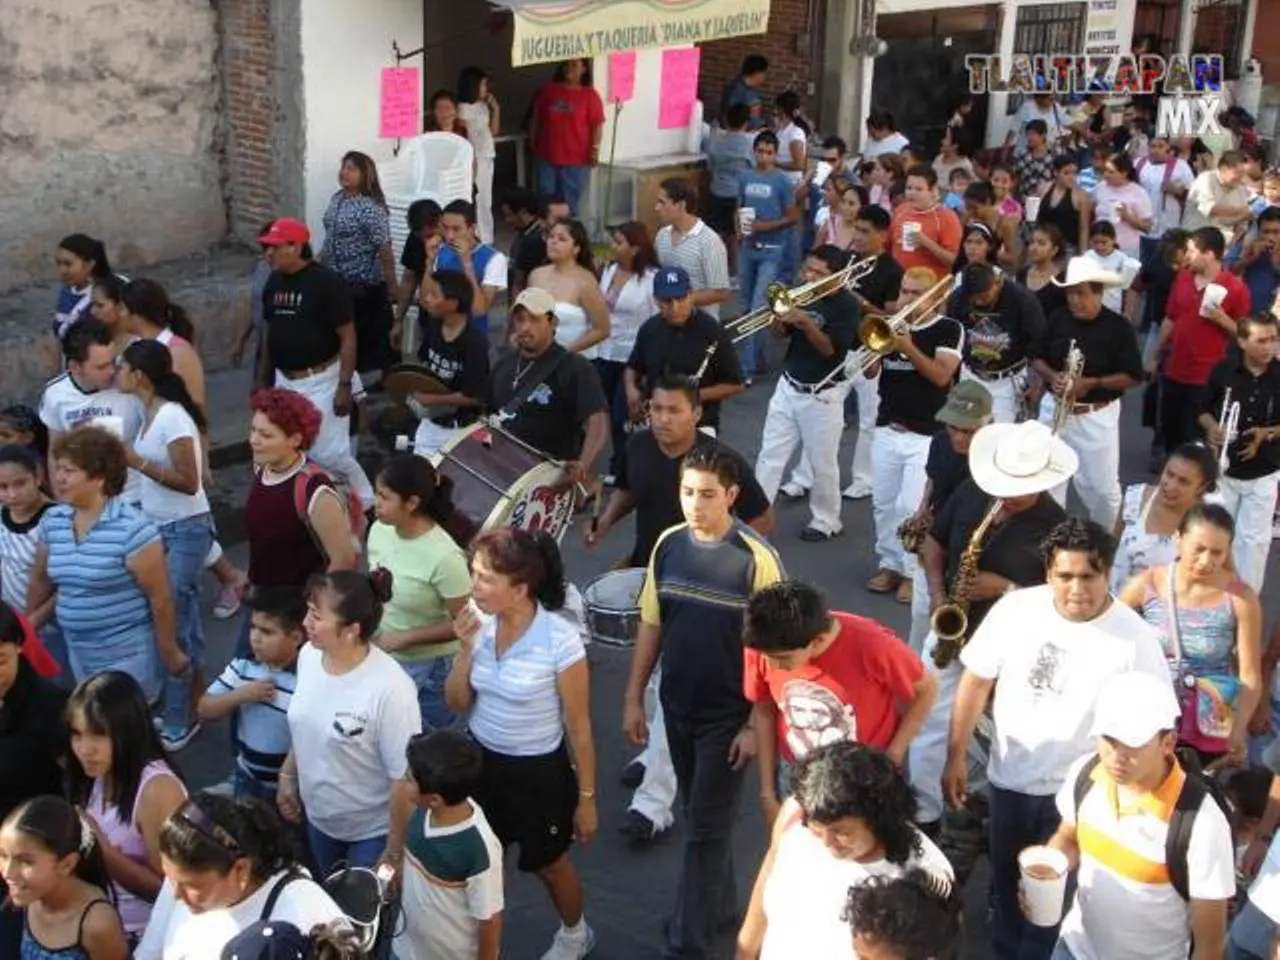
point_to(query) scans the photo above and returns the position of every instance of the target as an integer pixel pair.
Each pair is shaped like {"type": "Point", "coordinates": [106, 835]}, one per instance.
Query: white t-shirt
{"type": "Point", "coordinates": [64, 406]}
{"type": "Point", "coordinates": [476, 117]}
{"type": "Point", "coordinates": [349, 736]}
{"type": "Point", "coordinates": [517, 710]}
{"type": "Point", "coordinates": [786, 136]}
{"type": "Point", "coordinates": [635, 304]}
{"type": "Point", "coordinates": [1055, 118]}
{"type": "Point", "coordinates": [1121, 264]}
{"type": "Point", "coordinates": [175, 933]}
{"type": "Point", "coordinates": [893, 143]}
{"type": "Point", "coordinates": [1049, 671]}
{"type": "Point", "coordinates": [1264, 892]}
{"type": "Point", "coordinates": [164, 504]}
{"type": "Point", "coordinates": [1122, 911]}
{"type": "Point", "coordinates": [805, 893]}
{"type": "Point", "coordinates": [452, 882]}
{"type": "Point", "coordinates": [1168, 210]}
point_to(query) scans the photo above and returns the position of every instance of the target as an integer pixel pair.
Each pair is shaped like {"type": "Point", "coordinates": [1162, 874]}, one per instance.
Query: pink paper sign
{"type": "Point", "coordinates": [622, 76]}
{"type": "Point", "coordinates": [400, 109]}
{"type": "Point", "coordinates": [679, 87]}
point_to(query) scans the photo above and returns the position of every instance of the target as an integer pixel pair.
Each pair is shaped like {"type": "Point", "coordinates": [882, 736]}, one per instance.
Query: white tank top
{"type": "Point", "coordinates": [571, 326]}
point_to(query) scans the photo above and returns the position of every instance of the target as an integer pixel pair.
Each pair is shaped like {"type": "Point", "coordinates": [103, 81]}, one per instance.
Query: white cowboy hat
{"type": "Point", "coordinates": [1087, 270]}
{"type": "Point", "coordinates": [1017, 459]}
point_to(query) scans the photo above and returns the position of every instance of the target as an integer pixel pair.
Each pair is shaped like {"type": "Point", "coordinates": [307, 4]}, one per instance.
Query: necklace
{"type": "Point", "coordinates": [521, 369]}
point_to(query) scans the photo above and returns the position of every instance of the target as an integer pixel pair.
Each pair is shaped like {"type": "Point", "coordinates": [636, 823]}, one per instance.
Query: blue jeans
{"type": "Point", "coordinates": [53, 640]}
{"type": "Point", "coordinates": [186, 544]}
{"type": "Point", "coordinates": [758, 266]}
{"type": "Point", "coordinates": [429, 677]}
{"type": "Point", "coordinates": [611, 380]}
{"type": "Point", "coordinates": [1249, 937]}
{"type": "Point", "coordinates": [557, 180]}
{"type": "Point", "coordinates": [330, 852]}
{"type": "Point", "coordinates": [248, 787]}
{"type": "Point", "coordinates": [1018, 820]}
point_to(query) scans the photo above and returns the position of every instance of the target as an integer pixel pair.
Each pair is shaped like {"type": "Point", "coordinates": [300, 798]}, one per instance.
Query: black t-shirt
{"type": "Point", "coordinates": [1050, 296]}
{"type": "Point", "coordinates": [1108, 342]}
{"type": "Point", "coordinates": [653, 480]}
{"type": "Point", "coordinates": [1259, 399]}
{"type": "Point", "coordinates": [303, 312]}
{"type": "Point", "coordinates": [528, 251]}
{"type": "Point", "coordinates": [32, 737]}
{"type": "Point", "coordinates": [663, 349]}
{"type": "Point", "coordinates": [553, 419]}
{"type": "Point", "coordinates": [1011, 548]}
{"type": "Point", "coordinates": [414, 256]}
{"type": "Point", "coordinates": [905, 396]}
{"type": "Point", "coordinates": [461, 364]}
{"type": "Point", "coordinates": [838, 316]}
{"type": "Point", "coordinates": [945, 468]}
{"type": "Point", "coordinates": [1000, 336]}
{"type": "Point", "coordinates": [883, 284]}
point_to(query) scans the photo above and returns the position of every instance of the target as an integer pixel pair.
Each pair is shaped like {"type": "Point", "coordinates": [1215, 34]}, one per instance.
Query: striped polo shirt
{"type": "Point", "coordinates": [701, 253]}
{"type": "Point", "coordinates": [1125, 906]}
{"type": "Point", "coordinates": [696, 593]}
{"type": "Point", "coordinates": [100, 604]}
{"type": "Point", "coordinates": [262, 729]}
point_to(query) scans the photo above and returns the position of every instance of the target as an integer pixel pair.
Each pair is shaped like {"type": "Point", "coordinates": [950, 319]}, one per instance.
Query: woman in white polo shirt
{"type": "Point", "coordinates": [522, 675]}
{"type": "Point", "coordinates": [351, 717]}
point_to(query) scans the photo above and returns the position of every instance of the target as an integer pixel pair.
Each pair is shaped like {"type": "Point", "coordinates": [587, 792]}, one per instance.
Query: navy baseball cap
{"type": "Point", "coordinates": [269, 940]}
{"type": "Point", "coordinates": [671, 283]}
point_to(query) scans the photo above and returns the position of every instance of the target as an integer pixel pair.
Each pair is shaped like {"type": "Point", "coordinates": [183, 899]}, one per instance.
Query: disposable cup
{"type": "Point", "coordinates": [910, 233]}
{"type": "Point", "coordinates": [1044, 884]}
{"type": "Point", "coordinates": [1212, 298]}
{"type": "Point", "coordinates": [1031, 209]}
{"type": "Point", "coordinates": [746, 220]}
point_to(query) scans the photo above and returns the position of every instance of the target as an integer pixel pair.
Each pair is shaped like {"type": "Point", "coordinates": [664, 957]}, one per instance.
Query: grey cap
{"type": "Point", "coordinates": [968, 406]}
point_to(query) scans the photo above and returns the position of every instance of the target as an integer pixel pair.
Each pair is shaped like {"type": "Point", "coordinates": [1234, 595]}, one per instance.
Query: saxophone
{"type": "Point", "coordinates": [950, 622]}
{"type": "Point", "coordinates": [913, 530]}
{"type": "Point", "coordinates": [1073, 369]}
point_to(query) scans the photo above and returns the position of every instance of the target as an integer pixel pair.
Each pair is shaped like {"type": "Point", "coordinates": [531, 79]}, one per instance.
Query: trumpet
{"type": "Point", "coordinates": [878, 334]}
{"type": "Point", "coordinates": [1229, 427]}
{"type": "Point", "coordinates": [780, 299]}
{"type": "Point", "coordinates": [950, 621]}
{"type": "Point", "coordinates": [1073, 370]}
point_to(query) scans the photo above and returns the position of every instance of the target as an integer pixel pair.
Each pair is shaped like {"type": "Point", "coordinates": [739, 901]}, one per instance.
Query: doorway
{"type": "Point", "coordinates": [923, 70]}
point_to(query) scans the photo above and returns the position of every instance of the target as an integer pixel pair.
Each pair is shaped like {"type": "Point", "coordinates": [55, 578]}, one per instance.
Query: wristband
{"type": "Point", "coordinates": [587, 794]}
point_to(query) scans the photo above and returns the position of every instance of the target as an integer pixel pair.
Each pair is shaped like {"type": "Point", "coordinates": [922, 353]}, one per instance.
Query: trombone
{"type": "Point", "coordinates": [780, 299]}
{"type": "Point", "coordinates": [878, 334]}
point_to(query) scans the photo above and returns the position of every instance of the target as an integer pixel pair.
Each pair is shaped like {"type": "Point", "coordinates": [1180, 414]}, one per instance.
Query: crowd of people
{"type": "Point", "coordinates": [410, 686]}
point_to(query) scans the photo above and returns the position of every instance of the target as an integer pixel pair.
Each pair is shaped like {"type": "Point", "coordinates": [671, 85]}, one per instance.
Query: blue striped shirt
{"type": "Point", "coordinates": [100, 606]}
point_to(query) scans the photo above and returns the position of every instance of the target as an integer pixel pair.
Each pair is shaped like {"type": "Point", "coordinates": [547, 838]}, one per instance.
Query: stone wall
{"type": "Point", "coordinates": [108, 126]}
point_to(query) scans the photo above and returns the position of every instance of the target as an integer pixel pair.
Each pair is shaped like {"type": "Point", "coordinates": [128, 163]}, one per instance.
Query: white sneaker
{"type": "Point", "coordinates": [571, 946]}
{"type": "Point", "coordinates": [856, 491]}
{"type": "Point", "coordinates": [1275, 528]}
{"type": "Point", "coordinates": [793, 490]}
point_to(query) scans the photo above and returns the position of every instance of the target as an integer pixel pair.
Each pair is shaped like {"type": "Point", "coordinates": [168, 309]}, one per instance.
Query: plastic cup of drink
{"type": "Point", "coordinates": [746, 219]}
{"type": "Point", "coordinates": [910, 232]}
{"type": "Point", "coordinates": [113, 425]}
{"type": "Point", "coordinates": [1031, 209]}
{"type": "Point", "coordinates": [1212, 298]}
{"type": "Point", "coordinates": [1044, 884]}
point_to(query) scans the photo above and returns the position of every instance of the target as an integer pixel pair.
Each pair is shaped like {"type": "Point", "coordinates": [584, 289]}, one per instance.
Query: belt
{"type": "Point", "coordinates": [305, 372]}
{"type": "Point", "coordinates": [999, 375]}
{"type": "Point", "coordinates": [449, 423]}
{"type": "Point", "coordinates": [810, 388]}
{"type": "Point", "coordinates": [1079, 409]}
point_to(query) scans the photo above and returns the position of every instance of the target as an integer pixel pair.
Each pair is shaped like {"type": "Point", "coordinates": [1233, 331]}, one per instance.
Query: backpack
{"type": "Point", "coordinates": [355, 512]}
{"type": "Point", "coordinates": [1195, 790]}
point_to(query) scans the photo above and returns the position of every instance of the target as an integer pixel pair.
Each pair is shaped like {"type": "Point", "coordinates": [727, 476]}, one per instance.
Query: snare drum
{"type": "Point", "coordinates": [613, 606]}
{"type": "Point", "coordinates": [499, 481]}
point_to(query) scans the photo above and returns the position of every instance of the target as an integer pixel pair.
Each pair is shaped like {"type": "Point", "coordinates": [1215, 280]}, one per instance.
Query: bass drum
{"type": "Point", "coordinates": [499, 481]}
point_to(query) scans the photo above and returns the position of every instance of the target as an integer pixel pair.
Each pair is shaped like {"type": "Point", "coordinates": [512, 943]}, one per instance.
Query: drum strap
{"type": "Point", "coordinates": [533, 383]}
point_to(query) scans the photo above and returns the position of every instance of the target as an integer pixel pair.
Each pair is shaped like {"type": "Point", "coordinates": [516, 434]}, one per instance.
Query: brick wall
{"type": "Point", "coordinates": [248, 52]}
{"type": "Point", "coordinates": [789, 67]}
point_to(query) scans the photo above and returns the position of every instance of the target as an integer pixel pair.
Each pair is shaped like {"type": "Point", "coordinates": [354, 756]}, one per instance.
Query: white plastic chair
{"type": "Point", "coordinates": [432, 166]}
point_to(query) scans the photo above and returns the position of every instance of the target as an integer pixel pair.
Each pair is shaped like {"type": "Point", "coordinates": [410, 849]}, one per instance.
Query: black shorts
{"type": "Point", "coordinates": [721, 214]}
{"type": "Point", "coordinates": [530, 801]}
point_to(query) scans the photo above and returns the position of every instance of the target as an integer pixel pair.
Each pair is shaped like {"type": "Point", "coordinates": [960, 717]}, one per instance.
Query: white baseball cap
{"type": "Point", "coordinates": [1133, 707]}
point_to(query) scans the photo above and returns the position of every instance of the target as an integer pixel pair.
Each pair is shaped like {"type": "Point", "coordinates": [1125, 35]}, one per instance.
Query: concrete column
{"type": "Point", "coordinates": [842, 71]}
{"type": "Point", "coordinates": [1186, 26]}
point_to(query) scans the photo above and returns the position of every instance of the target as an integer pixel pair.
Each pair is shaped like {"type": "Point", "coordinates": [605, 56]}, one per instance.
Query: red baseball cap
{"type": "Point", "coordinates": [285, 230]}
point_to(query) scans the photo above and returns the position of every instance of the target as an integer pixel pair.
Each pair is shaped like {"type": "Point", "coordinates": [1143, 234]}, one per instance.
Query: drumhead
{"type": "Point", "coordinates": [617, 591]}
{"type": "Point", "coordinates": [405, 379]}
{"type": "Point", "coordinates": [537, 501]}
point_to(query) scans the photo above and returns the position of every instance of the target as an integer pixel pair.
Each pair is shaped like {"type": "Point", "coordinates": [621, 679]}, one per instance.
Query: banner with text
{"type": "Point", "coordinates": [545, 33]}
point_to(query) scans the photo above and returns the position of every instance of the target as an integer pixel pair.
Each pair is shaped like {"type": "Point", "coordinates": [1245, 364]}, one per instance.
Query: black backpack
{"type": "Point", "coordinates": [1197, 787]}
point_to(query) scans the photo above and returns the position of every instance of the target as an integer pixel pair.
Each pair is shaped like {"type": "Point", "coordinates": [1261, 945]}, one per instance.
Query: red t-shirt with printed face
{"type": "Point", "coordinates": [566, 116]}
{"type": "Point", "coordinates": [1198, 344]}
{"type": "Point", "coordinates": [853, 691]}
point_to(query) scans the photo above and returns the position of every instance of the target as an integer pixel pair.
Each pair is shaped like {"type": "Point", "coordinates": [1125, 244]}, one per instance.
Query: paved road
{"type": "Point", "coordinates": [629, 891]}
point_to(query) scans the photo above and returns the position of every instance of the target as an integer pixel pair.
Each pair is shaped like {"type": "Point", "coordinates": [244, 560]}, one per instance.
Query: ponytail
{"type": "Point", "coordinates": [408, 475]}
{"type": "Point", "coordinates": [180, 323]}
{"type": "Point", "coordinates": [553, 589]}
{"type": "Point", "coordinates": [57, 826]}
{"type": "Point", "coordinates": [527, 557]}
{"type": "Point", "coordinates": [153, 359]}
{"type": "Point", "coordinates": [356, 598]}
{"type": "Point", "coordinates": [150, 301]}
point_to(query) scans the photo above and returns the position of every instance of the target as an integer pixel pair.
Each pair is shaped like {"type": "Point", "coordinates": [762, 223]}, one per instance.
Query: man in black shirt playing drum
{"type": "Point", "coordinates": [545, 396]}
{"type": "Point", "coordinates": [455, 352]}
{"type": "Point", "coordinates": [1112, 360]}
{"type": "Point", "coordinates": [310, 343]}
{"type": "Point", "coordinates": [1002, 319]}
{"type": "Point", "coordinates": [807, 405]}
{"type": "Point", "coordinates": [679, 341]}
{"type": "Point", "coordinates": [913, 387]}
{"type": "Point", "coordinates": [1248, 485]}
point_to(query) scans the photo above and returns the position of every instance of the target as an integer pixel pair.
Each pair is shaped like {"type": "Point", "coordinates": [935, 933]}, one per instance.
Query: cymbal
{"type": "Point", "coordinates": [405, 379]}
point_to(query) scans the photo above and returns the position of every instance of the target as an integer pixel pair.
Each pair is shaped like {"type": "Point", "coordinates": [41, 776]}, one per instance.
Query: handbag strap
{"type": "Point", "coordinates": [1171, 611]}
{"type": "Point", "coordinates": [529, 386]}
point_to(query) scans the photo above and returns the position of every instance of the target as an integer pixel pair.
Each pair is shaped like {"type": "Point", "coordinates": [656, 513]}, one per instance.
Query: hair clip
{"type": "Point", "coordinates": [87, 836]}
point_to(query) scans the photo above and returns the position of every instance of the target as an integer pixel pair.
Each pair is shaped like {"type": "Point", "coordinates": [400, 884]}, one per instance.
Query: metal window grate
{"type": "Point", "coordinates": [1047, 28]}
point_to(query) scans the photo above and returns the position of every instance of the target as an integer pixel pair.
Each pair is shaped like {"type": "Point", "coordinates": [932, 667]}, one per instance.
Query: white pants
{"type": "Point", "coordinates": [484, 198]}
{"type": "Point", "coordinates": [898, 479]}
{"type": "Point", "coordinates": [815, 421]}
{"type": "Point", "coordinates": [1252, 503]}
{"type": "Point", "coordinates": [656, 795]}
{"type": "Point", "coordinates": [919, 609]}
{"type": "Point", "coordinates": [332, 447]}
{"type": "Point", "coordinates": [868, 405]}
{"type": "Point", "coordinates": [430, 438]}
{"type": "Point", "coordinates": [1095, 437]}
{"type": "Point", "coordinates": [1004, 395]}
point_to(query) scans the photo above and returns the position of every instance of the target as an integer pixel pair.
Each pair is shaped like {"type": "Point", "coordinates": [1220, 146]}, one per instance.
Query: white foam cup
{"type": "Point", "coordinates": [746, 219]}
{"type": "Point", "coordinates": [1043, 895]}
{"type": "Point", "coordinates": [1031, 209]}
{"type": "Point", "coordinates": [910, 231]}
{"type": "Point", "coordinates": [1212, 298]}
